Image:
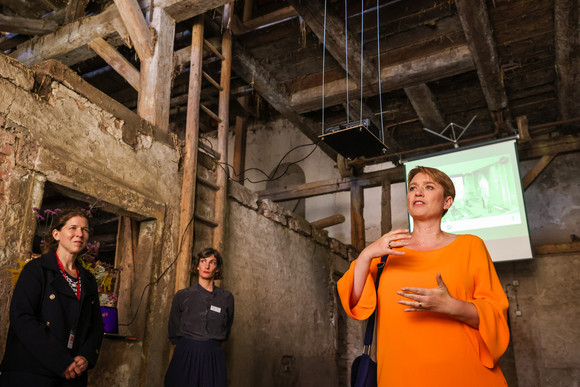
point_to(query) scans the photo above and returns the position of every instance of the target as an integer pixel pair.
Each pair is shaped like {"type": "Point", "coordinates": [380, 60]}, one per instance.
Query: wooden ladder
{"type": "Point", "coordinates": [212, 182]}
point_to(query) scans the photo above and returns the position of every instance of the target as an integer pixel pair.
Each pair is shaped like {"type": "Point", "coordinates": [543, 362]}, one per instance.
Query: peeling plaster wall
{"type": "Point", "coordinates": [49, 132]}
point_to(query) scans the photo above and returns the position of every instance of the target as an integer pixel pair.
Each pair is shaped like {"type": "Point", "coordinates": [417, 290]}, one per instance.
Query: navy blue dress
{"type": "Point", "coordinates": [199, 322]}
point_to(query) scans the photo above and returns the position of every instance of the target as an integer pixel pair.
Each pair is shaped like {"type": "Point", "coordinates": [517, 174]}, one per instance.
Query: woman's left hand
{"type": "Point", "coordinates": [431, 299]}
{"type": "Point", "coordinates": [439, 300]}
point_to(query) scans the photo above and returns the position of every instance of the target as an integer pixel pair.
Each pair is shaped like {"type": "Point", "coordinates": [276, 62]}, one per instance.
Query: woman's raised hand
{"type": "Point", "coordinates": [387, 244]}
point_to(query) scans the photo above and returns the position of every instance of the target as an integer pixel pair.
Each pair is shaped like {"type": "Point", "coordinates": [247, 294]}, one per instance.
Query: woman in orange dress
{"type": "Point", "coordinates": [441, 310]}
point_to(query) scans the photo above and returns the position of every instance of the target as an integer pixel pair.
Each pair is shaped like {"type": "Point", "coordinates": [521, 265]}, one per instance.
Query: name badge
{"type": "Point", "coordinates": [71, 340]}
{"type": "Point", "coordinates": [216, 309]}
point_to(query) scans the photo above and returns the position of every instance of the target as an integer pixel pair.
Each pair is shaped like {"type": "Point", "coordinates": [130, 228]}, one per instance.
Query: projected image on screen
{"type": "Point", "coordinates": [489, 197]}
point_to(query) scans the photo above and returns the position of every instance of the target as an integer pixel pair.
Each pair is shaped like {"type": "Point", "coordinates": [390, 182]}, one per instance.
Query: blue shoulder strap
{"type": "Point", "coordinates": [371, 320]}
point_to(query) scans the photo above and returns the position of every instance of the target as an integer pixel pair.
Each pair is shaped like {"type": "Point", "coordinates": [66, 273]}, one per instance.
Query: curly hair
{"type": "Point", "coordinates": [208, 253]}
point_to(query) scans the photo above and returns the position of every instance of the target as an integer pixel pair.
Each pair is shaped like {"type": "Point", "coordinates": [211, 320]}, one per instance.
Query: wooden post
{"type": "Point", "coordinates": [241, 131]}
{"type": "Point", "coordinates": [187, 210]}
{"type": "Point", "coordinates": [124, 262]}
{"type": "Point", "coordinates": [153, 103]}
{"type": "Point", "coordinates": [357, 222]}
{"type": "Point", "coordinates": [523, 128]}
{"type": "Point", "coordinates": [386, 222]}
{"type": "Point", "coordinates": [222, 146]}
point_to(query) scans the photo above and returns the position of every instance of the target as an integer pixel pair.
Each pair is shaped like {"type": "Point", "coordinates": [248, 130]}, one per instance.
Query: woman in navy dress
{"type": "Point", "coordinates": [200, 321]}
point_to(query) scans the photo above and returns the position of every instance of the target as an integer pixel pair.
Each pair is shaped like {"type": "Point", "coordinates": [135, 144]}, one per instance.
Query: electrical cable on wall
{"type": "Point", "coordinates": [268, 177]}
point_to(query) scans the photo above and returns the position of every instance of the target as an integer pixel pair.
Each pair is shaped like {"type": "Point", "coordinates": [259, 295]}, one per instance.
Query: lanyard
{"type": "Point", "coordinates": [65, 277]}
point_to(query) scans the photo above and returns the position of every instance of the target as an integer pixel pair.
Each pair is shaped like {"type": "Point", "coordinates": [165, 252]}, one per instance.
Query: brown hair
{"type": "Point", "coordinates": [51, 244]}
{"type": "Point", "coordinates": [208, 253]}
{"type": "Point", "coordinates": [440, 178]}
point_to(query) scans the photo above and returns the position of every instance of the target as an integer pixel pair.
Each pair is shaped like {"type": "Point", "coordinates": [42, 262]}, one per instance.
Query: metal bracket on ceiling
{"type": "Point", "coordinates": [453, 138]}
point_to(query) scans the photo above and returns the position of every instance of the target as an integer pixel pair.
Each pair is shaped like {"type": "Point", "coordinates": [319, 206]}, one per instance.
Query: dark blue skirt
{"type": "Point", "coordinates": [197, 364]}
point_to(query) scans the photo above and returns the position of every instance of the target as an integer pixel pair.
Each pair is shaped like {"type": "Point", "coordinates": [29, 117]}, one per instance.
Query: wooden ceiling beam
{"type": "Point", "coordinates": [117, 61]}
{"type": "Point", "coordinates": [140, 33]}
{"type": "Point", "coordinates": [269, 18]}
{"type": "Point", "coordinates": [78, 34]}
{"type": "Point", "coordinates": [425, 106]}
{"type": "Point", "coordinates": [181, 10]}
{"type": "Point", "coordinates": [449, 62]}
{"type": "Point", "coordinates": [26, 26]}
{"type": "Point", "coordinates": [254, 73]}
{"type": "Point", "coordinates": [324, 187]}
{"type": "Point", "coordinates": [67, 38]}
{"type": "Point", "coordinates": [567, 25]}
{"type": "Point", "coordinates": [75, 9]}
{"type": "Point", "coordinates": [479, 34]}
{"type": "Point", "coordinates": [337, 41]}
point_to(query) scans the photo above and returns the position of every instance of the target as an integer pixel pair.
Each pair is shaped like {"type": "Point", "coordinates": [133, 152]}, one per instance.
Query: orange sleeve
{"type": "Point", "coordinates": [492, 337]}
{"type": "Point", "coordinates": [368, 300]}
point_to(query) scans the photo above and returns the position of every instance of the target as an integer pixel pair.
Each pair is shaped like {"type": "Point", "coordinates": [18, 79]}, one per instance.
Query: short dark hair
{"type": "Point", "coordinates": [208, 253]}
{"type": "Point", "coordinates": [440, 177]}
{"type": "Point", "coordinates": [60, 219]}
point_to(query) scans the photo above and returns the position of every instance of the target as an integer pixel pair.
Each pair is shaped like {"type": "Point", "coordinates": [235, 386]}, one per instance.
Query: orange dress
{"type": "Point", "coordinates": [431, 349]}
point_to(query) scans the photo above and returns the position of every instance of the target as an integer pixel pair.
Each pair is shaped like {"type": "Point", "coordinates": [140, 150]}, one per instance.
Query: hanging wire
{"type": "Point", "coordinates": [362, 33]}
{"type": "Point", "coordinates": [323, 63]}
{"type": "Point", "coordinates": [346, 51]}
{"type": "Point", "coordinates": [379, 72]}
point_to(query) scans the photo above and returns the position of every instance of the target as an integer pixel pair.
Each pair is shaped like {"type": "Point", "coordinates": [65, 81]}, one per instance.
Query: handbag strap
{"type": "Point", "coordinates": [371, 320]}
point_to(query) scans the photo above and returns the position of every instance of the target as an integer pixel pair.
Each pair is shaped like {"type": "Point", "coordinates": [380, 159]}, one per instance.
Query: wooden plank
{"type": "Point", "coordinates": [537, 170]}
{"type": "Point", "coordinates": [566, 26]}
{"type": "Point", "coordinates": [67, 38]}
{"type": "Point", "coordinates": [328, 221]}
{"type": "Point", "coordinates": [137, 26]}
{"type": "Point", "coordinates": [78, 34]}
{"type": "Point", "coordinates": [75, 9]}
{"type": "Point", "coordinates": [25, 26]}
{"type": "Point", "coordinates": [425, 106]}
{"type": "Point", "coordinates": [187, 207]}
{"type": "Point", "coordinates": [273, 17]}
{"type": "Point", "coordinates": [557, 248]}
{"type": "Point", "coordinates": [127, 238]}
{"type": "Point", "coordinates": [117, 61]}
{"type": "Point", "coordinates": [222, 139]}
{"type": "Point", "coordinates": [181, 10]}
{"type": "Point", "coordinates": [538, 148]}
{"type": "Point", "coordinates": [523, 128]}
{"type": "Point", "coordinates": [477, 27]}
{"type": "Point", "coordinates": [357, 221]}
{"type": "Point", "coordinates": [443, 64]}
{"type": "Point", "coordinates": [307, 190]}
{"type": "Point", "coordinates": [153, 103]}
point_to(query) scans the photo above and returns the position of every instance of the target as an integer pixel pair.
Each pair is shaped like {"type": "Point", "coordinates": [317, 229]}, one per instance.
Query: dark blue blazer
{"type": "Point", "coordinates": [43, 311]}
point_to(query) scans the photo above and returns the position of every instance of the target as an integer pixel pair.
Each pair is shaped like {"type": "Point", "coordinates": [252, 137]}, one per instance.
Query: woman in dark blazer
{"type": "Point", "coordinates": [56, 327]}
